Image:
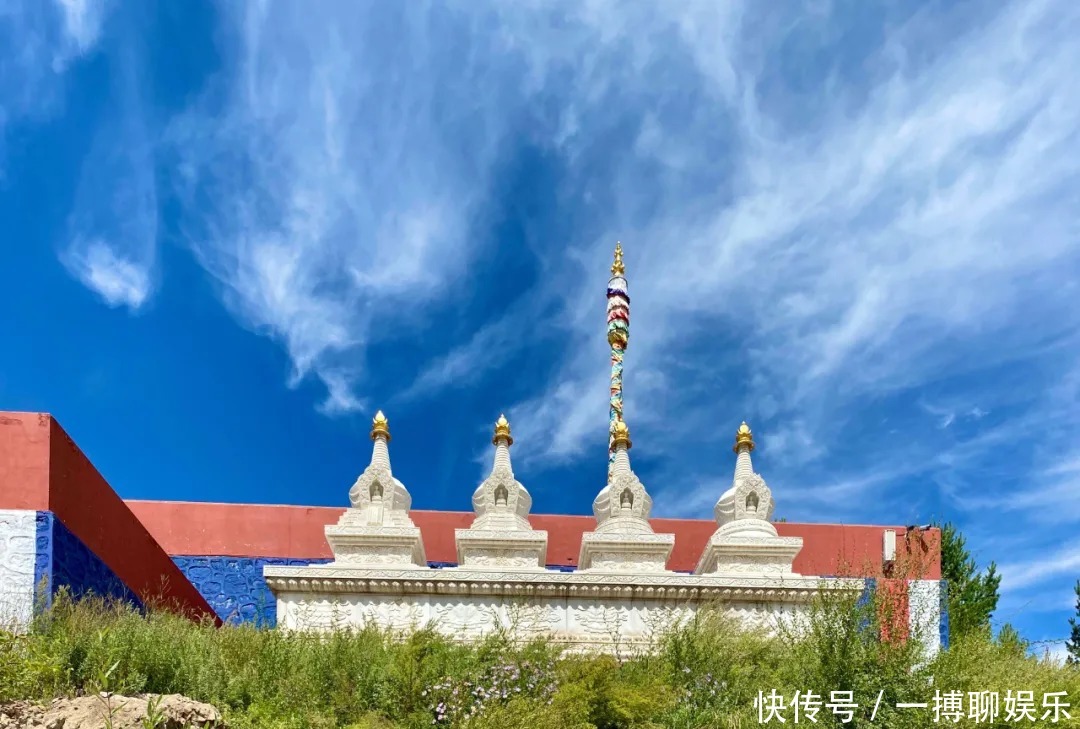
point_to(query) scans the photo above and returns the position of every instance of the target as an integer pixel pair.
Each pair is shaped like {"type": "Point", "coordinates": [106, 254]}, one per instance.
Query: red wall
{"type": "Point", "coordinates": [42, 469]}
{"type": "Point", "coordinates": [241, 530]}
{"type": "Point", "coordinates": [24, 461]}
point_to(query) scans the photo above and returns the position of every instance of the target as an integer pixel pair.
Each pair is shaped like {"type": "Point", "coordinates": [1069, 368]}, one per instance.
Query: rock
{"type": "Point", "coordinates": [105, 711]}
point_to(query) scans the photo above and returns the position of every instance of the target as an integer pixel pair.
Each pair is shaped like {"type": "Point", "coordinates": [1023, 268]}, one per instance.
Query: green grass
{"type": "Point", "coordinates": [706, 674]}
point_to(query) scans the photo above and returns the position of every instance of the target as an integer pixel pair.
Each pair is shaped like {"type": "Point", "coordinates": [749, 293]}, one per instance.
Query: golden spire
{"type": "Point", "coordinates": [380, 426]}
{"type": "Point", "coordinates": [743, 437]}
{"type": "Point", "coordinates": [502, 431]}
{"type": "Point", "coordinates": [620, 434]}
{"type": "Point", "coordinates": [617, 268]}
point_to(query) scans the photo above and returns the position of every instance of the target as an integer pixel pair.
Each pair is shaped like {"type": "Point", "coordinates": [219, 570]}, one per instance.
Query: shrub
{"type": "Point", "coordinates": [706, 673]}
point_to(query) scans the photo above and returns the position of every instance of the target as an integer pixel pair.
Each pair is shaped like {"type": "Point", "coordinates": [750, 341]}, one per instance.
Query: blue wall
{"type": "Point", "coordinates": [234, 586]}
{"type": "Point", "coordinates": [63, 560]}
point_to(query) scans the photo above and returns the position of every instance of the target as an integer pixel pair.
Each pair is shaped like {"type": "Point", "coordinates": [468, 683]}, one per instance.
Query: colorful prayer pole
{"type": "Point", "coordinates": [618, 335]}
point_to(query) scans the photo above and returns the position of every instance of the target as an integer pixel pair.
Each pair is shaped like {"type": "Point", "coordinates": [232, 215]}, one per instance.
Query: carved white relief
{"type": "Point", "coordinates": [753, 498]}
{"type": "Point", "coordinates": [661, 619]}
{"type": "Point", "coordinates": [601, 620]}
{"type": "Point", "coordinates": [501, 558]}
{"type": "Point", "coordinates": [372, 555]}
{"type": "Point", "coordinates": [500, 495]}
{"type": "Point", "coordinates": [500, 535]}
{"type": "Point", "coordinates": [464, 618]}
{"type": "Point", "coordinates": [533, 619]}
{"type": "Point", "coordinates": [623, 505]}
{"type": "Point", "coordinates": [394, 615]}
{"type": "Point", "coordinates": [581, 622]}
{"type": "Point", "coordinates": [380, 499]}
{"type": "Point", "coordinates": [18, 539]}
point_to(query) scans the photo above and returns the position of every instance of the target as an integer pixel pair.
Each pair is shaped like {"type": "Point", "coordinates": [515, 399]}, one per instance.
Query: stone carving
{"type": "Point", "coordinates": [395, 615]}
{"type": "Point", "coordinates": [532, 619]}
{"type": "Point", "coordinates": [18, 531]}
{"type": "Point", "coordinates": [579, 615]}
{"type": "Point", "coordinates": [376, 528]}
{"type": "Point", "coordinates": [925, 599]}
{"type": "Point", "coordinates": [624, 541]}
{"type": "Point", "coordinates": [746, 542]}
{"type": "Point", "coordinates": [501, 535]}
{"type": "Point", "coordinates": [235, 587]}
{"type": "Point", "coordinates": [601, 619]}
{"type": "Point", "coordinates": [465, 619]}
{"type": "Point", "coordinates": [665, 618]}
{"type": "Point", "coordinates": [503, 557]}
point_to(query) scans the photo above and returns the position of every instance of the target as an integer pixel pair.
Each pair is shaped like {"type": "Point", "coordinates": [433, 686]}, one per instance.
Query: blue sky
{"type": "Point", "coordinates": [231, 232]}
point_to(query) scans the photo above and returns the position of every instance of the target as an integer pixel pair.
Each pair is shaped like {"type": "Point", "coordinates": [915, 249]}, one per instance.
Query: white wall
{"type": "Point", "coordinates": [18, 547]}
{"type": "Point", "coordinates": [924, 613]}
{"type": "Point", "coordinates": [580, 623]}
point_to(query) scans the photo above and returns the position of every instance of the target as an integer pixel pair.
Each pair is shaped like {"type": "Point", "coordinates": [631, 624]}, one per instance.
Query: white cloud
{"type": "Point", "coordinates": [1065, 560]}
{"type": "Point", "coordinates": [113, 224]}
{"type": "Point", "coordinates": [82, 21]}
{"type": "Point", "coordinates": [120, 282]}
{"type": "Point", "coordinates": [832, 240]}
{"type": "Point", "coordinates": [1055, 652]}
{"type": "Point", "coordinates": [912, 232]}
{"type": "Point", "coordinates": [38, 42]}
{"type": "Point", "coordinates": [332, 178]}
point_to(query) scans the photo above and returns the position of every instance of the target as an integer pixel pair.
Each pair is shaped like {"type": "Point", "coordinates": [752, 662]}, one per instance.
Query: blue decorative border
{"type": "Point", "coordinates": [943, 596]}
{"type": "Point", "coordinates": [43, 557]}
{"type": "Point", "coordinates": [865, 597]}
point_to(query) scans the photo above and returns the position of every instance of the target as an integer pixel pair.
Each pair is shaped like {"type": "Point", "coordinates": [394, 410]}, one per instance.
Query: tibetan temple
{"type": "Point", "coordinates": [619, 577]}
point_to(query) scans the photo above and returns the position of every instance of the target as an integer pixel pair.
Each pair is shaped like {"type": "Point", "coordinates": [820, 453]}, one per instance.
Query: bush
{"type": "Point", "coordinates": [707, 673]}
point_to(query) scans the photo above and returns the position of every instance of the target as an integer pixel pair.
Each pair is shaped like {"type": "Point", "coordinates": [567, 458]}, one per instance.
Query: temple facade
{"type": "Point", "coordinates": [617, 578]}
{"type": "Point", "coordinates": [621, 595]}
{"type": "Point", "coordinates": [622, 592]}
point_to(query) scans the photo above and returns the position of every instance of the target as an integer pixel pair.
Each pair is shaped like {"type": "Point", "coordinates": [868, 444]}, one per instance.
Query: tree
{"type": "Point", "coordinates": [1072, 645]}
{"type": "Point", "coordinates": [1010, 639]}
{"type": "Point", "coordinates": [972, 595]}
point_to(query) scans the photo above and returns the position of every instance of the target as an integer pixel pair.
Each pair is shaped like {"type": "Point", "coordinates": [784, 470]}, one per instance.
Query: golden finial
{"type": "Point", "coordinates": [502, 431]}
{"type": "Point", "coordinates": [380, 426]}
{"type": "Point", "coordinates": [621, 434]}
{"type": "Point", "coordinates": [743, 437]}
{"type": "Point", "coordinates": [617, 268]}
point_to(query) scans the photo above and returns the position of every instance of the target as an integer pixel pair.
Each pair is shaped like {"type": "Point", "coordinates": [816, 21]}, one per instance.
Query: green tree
{"type": "Point", "coordinates": [1073, 643]}
{"type": "Point", "coordinates": [1010, 639]}
{"type": "Point", "coordinates": [973, 595]}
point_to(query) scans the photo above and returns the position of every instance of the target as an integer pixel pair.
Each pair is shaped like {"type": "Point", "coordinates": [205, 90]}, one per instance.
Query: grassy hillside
{"type": "Point", "coordinates": [707, 674]}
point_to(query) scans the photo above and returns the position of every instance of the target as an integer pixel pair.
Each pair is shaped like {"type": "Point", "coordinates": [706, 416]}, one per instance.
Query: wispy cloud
{"type": "Point", "coordinates": [332, 176]}
{"type": "Point", "coordinates": [1018, 575]}
{"type": "Point", "coordinates": [856, 231]}
{"type": "Point", "coordinates": [113, 226]}
{"type": "Point", "coordinates": [81, 21]}
{"type": "Point", "coordinates": [120, 282]}
{"type": "Point", "coordinates": [874, 250]}
{"type": "Point", "coordinates": [38, 42]}
{"type": "Point", "coordinates": [111, 245]}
